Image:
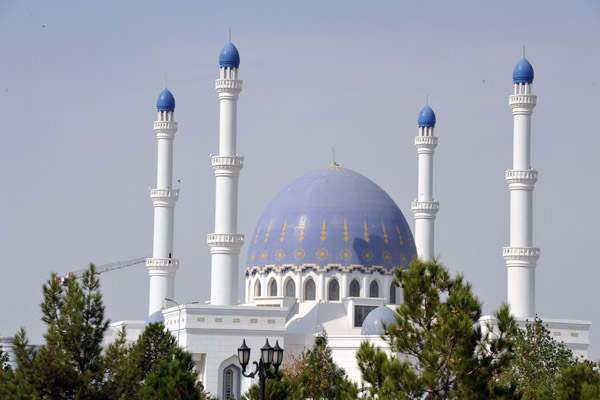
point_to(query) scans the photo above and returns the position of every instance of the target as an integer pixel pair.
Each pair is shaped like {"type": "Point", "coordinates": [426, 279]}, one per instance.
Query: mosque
{"type": "Point", "coordinates": [323, 252]}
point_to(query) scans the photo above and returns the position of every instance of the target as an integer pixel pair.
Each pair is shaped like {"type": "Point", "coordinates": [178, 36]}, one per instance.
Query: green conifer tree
{"type": "Point", "coordinates": [444, 353]}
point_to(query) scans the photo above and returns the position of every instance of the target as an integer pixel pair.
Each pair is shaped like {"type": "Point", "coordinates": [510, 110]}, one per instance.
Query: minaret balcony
{"type": "Point", "coordinates": [522, 100]}
{"type": "Point", "coordinates": [429, 208]}
{"type": "Point", "coordinates": [527, 177]}
{"type": "Point", "coordinates": [521, 253]}
{"type": "Point", "coordinates": [169, 195]}
{"type": "Point", "coordinates": [227, 162]}
{"type": "Point", "coordinates": [162, 266]}
{"type": "Point", "coordinates": [225, 240]}
{"type": "Point", "coordinates": [429, 142]}
{"type": "Point", "coordinates": [165, 125]}
{"type": "Point", "coordinates": [226, 85]}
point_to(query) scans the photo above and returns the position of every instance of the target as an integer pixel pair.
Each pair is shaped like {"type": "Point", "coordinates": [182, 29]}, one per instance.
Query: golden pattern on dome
{"type": "Point", "coordinates": [263, 255]}
{"type": "Point", "coordinates": [399, 235]}
{"type": "Point", "coordinates": [268, 231]}
{"type": "Point", "coordinates": [279, 255]}
{"type": "Point", "coordinates": [367, 255]}
{"type": "Point", "coordinates": [403, 258]}
{"type": "Point", "coordinates": [387, 257]}
{"type": "Point", "coordinates": [366, 232]}
{"type": "Point", "coordinates": [257, 232]}
{"type": "Point", "coordinates": [323, 237]}
{"type": "Point", "coordinates": [299, 253]}
{"type": "Point", "coordinates": [408, 235]}
{"type": "Point", "coordinates": [345, 230]}
{"type": "Point", "coordinates": [385, 237]}
{"type": "Point", "coordinates": [346, 254]}
{"type": "Point", "coordinates": [322, 254]}
{"type": "Point", "coordinates": [301, 237]}
{"type": "Point", "coordinates": [252, 256]}
{"type": "Point", "coordinates": [282, 238]}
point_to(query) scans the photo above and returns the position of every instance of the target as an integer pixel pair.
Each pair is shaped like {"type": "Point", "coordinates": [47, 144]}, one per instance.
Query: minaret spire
{"type": "Point", "coordinates": [162, 265]}
{"type": "Point", "coordinates": [225, 243]}
{"type": "Point", "coordinates": [425, 207]}
{"type": "Point", "coordinates": [520, 256]}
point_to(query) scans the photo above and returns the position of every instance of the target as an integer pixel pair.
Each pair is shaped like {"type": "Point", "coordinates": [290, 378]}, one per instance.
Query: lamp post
{"type": "Point", "coordinates": [179, 317]}
{"type": "Point", "coordinates": [268, 356]}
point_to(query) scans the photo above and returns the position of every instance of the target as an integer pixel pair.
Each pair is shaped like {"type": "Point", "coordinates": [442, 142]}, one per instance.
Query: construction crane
{"type": "Point", "coordinates": [100, 269]}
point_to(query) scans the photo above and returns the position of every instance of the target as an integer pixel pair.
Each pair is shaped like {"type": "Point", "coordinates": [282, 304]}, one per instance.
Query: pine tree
{"type": "Point", "coordinates": [71, 363]}
{"type": "Point", "coordinates": [444, 353]}
{"type": "Point", "coordinates": [579, 381]}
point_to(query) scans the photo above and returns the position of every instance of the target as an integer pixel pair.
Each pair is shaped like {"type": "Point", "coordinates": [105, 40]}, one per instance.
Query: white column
{"type": "Point", "coordinates": [162, 266]}
{"type": "Point", "coordinates": [425, 207]}
{"type": "Point", "coordinates": [521, 257]}
{"type": "Point", "coordinates": [225, 243]}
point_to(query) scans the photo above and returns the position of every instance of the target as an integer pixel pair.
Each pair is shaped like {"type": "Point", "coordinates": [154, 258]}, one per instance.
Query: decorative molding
{"type": "Point", "coordinates": [522, 100]}
{"type": "Point", "coordinates": [281, 269]}
{"type": "Point", "coordinates": [225, 240]}
{"type": "Point", "coordinates": [429, 142]}
{"type": "Point", "coordinates": [162, 266]}
{"type": "Point", "coordinates": [521, 253]}
{"type": "Point", "coordinates": [528, 176]}
{"type": "Point", "coordinates": [425, 207]}
{"type": "Point", "coordinates": [165, 126]}
{"type": "Point", "coordinates": [228, 85]}
{"type": "Point", "coordinates": [234, 163]}
{"type": "Point", "coordinates": [167, 195]}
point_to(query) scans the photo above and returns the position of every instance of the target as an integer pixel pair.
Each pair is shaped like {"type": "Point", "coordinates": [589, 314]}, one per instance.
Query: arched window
{"type": "Point", "coordinates": [273, 288]}
{"type": "Point", "coordinates": [354, 289]}
{"type": "Point", "coordinates": [374, 289]}
{"type": "Point", "coordinates": [309, 290]}
{"type": "Point", "coordinates": [257, 288]}
{"type": "Point", "coordinates": [290, 288]}
{"type": "Point", "coordinates": [333, 293]}
{"type": "Point", "coordinates": [231, 382]}
{"type": "Point", "coordinates": [392, 294]}
{"type": "Point", "coordinates": [228, 384]}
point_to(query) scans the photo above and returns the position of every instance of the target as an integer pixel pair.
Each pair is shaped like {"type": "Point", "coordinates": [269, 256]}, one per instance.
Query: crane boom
{"type": "Point", "coordinates": [102, 268]}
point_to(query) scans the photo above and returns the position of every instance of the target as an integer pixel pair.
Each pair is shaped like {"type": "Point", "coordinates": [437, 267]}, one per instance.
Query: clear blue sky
{"type": "Point", "coordinates": [79, 81]}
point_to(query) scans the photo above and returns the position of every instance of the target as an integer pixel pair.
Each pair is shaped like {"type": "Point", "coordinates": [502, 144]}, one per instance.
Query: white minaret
{"type": "Point", "coordinates": [521, 257]}
{"type": "Point", "coordinates": [425, 207]}
{"type": "Point", "coordinates": [225, 243]}
{"type": "Point", "coordinates": [162, 265]}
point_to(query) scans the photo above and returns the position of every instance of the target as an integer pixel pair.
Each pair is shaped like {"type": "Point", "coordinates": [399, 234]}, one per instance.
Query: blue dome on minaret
{"type": "Point", "coordinates": [166, 101]}
{"type": "Point", "coordinates": [229, 57]}
{"type": "Point", "coordinates": [523, 72]}
{"type": "Point", "coordinates": [427, 117]}
{"type": "Point", "coordinates": [331, 218]}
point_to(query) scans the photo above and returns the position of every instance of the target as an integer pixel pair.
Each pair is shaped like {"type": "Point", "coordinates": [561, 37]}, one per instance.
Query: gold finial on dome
{"type": "Point", "coordinates": [333, 163]}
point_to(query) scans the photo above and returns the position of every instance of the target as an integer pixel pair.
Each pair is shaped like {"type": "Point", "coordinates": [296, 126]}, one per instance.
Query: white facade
{"type": "Point", "coordinates": [521, 256]}
{"type": "Point", "coordinates": [292, 304]}
{"type": "Point", "coordinates": [225, 243]}
{"type": "Point", "coordinates": [425, 207]}
{"type": "Point", "coordinates": [162, 266]}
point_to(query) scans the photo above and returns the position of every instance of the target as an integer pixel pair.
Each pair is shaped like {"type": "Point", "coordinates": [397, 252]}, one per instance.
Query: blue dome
{"type": "Point", "coordinates": [229, 56]}
{"type": "Point", "coordinates": [427, 117]}
{"type": "Point", "coordinates": [155, 317]}
{"type": "Point", "coordinates": [373, 323]}
{"type": "Point", "coordinates": [523, 72]}
{"type": "Point", "coordinates": [331, 218]}
{"type": "Point", "coordinates": [166, 101]}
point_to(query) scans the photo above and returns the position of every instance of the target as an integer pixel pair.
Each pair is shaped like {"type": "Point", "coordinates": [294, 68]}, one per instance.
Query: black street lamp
{"type": "Point", "coordinates": [268, 356]}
